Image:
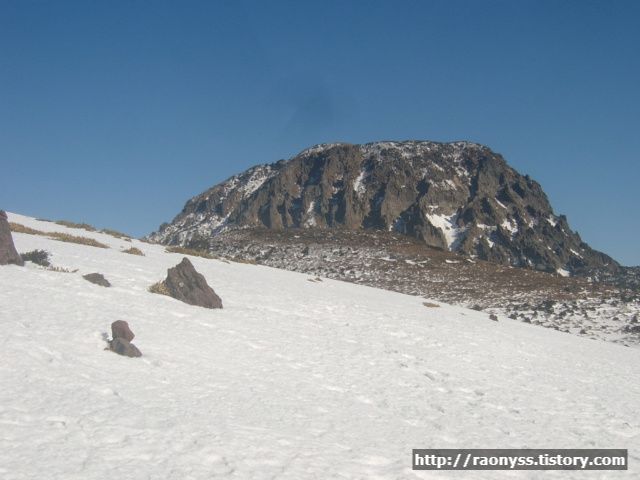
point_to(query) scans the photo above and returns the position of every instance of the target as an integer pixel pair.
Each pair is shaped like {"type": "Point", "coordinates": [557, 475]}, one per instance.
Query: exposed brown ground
{"type": "Point", "coordinates": [406, 265]}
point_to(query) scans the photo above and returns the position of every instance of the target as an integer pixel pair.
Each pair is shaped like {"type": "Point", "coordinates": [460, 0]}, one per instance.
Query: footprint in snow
{"type": "Point", "coordinates": [334, 389]}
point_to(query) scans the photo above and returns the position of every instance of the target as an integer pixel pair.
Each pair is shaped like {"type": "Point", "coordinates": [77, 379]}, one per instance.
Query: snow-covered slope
{"type": "Point", "coordinates": [296, 378]}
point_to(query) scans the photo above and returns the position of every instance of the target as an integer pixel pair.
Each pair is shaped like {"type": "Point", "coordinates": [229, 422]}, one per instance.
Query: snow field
{"type": "Point", "coordinates": [291, 380]}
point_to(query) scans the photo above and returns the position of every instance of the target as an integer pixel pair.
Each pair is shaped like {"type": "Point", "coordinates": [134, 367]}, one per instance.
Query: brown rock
{"type": "Point", "coordinates": [120, 329]}
{"type": "Point", "coordinates": [8, 252]}
{"type": "Point", "coordinates": [187, 285]}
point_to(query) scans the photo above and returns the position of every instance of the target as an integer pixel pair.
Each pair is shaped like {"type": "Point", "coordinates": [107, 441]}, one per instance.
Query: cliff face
{"type": "Point", "coordinates": [459, 196]}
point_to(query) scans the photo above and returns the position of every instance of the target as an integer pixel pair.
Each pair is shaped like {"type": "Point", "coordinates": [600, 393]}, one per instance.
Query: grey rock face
{"type": "Point", "coordinates": [187, 285]}
{"type": "Point", "coordinates": [459, 196]}
{"type": "Point", "coordinates": [8, 252]}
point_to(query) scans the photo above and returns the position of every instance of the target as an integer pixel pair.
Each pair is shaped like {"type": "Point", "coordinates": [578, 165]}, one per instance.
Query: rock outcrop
{"type": "Point", "coordinates": [460, 197]}
{"type": "Point", "coordinates": [184, 283]}
{"type": "Point", "coordinates": [8, 253]}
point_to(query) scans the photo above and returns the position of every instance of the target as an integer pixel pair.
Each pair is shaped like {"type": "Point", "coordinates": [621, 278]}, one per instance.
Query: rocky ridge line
{"type": "Point", "coordinates": [460, 197]}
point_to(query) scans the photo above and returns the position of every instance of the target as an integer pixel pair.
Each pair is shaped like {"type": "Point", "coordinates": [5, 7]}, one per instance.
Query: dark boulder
{"type": "Point", "coordinates": [97, 278]}
{"type": "Point", "coordinates": [184, 283]}
{"type": "Point", "coordinates": [8, 252]}
{"type": "Point", "coordinates": [122, 347]}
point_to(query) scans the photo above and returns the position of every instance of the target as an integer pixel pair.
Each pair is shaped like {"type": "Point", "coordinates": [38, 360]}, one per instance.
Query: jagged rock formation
{"type": "Point", "coordinates": [184, 283]}
{"type": "Point", "coordinates": [459, 196]}
{"type": "Point", "coordinates": [8, 252]}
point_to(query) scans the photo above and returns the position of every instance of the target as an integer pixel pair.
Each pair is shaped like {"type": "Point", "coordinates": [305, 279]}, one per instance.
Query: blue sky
{"type": "Point", "coordinates": [115, 113]}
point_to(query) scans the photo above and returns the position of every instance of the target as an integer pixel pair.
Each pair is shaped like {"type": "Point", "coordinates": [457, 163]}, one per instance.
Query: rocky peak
{"type": "Point", "coordinates": [457, 196]}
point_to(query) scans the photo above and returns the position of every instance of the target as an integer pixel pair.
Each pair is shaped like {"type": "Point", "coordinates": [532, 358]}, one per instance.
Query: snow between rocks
{"type": "Point", "coordinates": [291, 380]}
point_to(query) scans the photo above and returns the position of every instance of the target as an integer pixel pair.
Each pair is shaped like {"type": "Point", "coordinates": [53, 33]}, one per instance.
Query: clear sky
{"type": "Point", "coordinates": [115, 113]}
